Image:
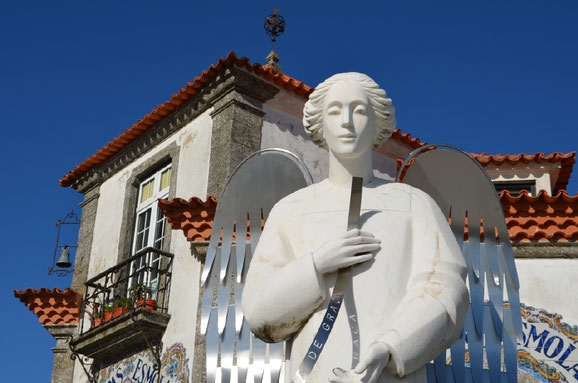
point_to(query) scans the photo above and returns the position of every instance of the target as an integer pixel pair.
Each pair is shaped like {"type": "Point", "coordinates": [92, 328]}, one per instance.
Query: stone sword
{"type": "Point", "coordinates": [336, 300]}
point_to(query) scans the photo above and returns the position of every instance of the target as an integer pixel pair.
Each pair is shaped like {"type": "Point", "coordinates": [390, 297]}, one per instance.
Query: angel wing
{"type": "Point", "coordinates": [250, 193]}
{"type": "Point", "coordinates": [465, 194]}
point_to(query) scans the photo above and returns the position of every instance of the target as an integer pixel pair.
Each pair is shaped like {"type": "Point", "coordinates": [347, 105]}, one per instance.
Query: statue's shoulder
{"type": "Point", "coordinates": [299, 197]}
{"type": "Point", "coordinates": [309, 199]}
{"type": "Point", "coordinates": [405, 195]}
{"type": "Point", "coordinates": [398, 187]}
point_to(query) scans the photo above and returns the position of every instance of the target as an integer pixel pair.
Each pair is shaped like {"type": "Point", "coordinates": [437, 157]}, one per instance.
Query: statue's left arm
{"type": "Point", "coordinates": [431, 315]}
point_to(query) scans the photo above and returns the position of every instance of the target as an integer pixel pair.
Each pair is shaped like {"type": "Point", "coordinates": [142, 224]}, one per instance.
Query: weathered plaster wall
{"type": "Point", "coordinates": [78, 374]}
{"type": "Point", "coordinates": [103, 253]}
{"type": "Point", "coordinates": [184, 297]}
{"type": "Point", "coordinates": [283, 128]}
{"type": "Point", "coordinates": [384, 166]}
{"type": "Point", "coordinates": [195, 144]}
{"type": "Point", "coordinates": [550, 284]}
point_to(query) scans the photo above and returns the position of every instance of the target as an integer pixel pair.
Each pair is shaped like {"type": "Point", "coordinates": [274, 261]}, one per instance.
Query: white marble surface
{"type": "Point", "coordinates": [409, 294]}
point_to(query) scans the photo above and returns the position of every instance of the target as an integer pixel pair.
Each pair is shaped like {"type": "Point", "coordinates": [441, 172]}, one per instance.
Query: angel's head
{"type": "Point", "coordinates": [349, 112]}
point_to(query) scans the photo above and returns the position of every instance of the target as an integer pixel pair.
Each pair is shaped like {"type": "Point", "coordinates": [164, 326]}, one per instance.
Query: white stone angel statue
{"type": "Point", "coordinates": [407, 287]}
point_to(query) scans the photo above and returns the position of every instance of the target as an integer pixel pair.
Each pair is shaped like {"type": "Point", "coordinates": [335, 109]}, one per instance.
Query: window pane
{"type": "Point", "coordinates": [143, 192]}
{"type": "Point", "coordinates": [148, 225]}
{"type": "Point", "coordinates": [166, 179]}
{"type": "Point", "coordinates": [147, 190]}
{"type": "Point", "coordinates": [515, 188]}
{"type": "Point", "coordinates": [142, 220]}
{"type": "Point", "coordinates": [160, 229]}
{"type": "Point", "coordinates": [143, 225]}
{"type": "Point", "coordinates": [139, 241]}
{"type": "Point", "coordinates": [154, 274]}
{"type": "Point", "coordinates": [148, 218]}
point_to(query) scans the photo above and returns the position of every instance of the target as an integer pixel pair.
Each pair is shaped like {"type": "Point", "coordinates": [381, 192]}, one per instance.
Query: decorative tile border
{"type": "Point", "coordinates": [547, 350]}
{"type": "Point", "coordinates": [140, 368]}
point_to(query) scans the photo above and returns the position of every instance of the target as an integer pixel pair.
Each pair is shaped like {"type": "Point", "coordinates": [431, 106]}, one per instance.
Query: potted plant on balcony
{"type": "Point", "coordinates": [96, 314]}
{"type": "Point", "coordinates": [139, 293]}
{"type": "Point", "coordinates": [107, 312]}
{"type": "Point", "coordinates": [120, 307]}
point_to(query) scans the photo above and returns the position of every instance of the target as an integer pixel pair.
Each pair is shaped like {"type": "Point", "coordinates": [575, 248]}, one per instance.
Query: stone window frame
{"type": "Point", "coordinates": [164, 157]}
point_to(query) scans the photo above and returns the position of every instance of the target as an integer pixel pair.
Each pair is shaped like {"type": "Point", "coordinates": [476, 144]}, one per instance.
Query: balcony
{"type": "Point", "coordinates": [126, 306]}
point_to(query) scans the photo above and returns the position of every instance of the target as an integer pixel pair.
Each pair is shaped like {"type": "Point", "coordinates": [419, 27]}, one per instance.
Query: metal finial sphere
{"type": "Point", "coordinates": [274, 25]}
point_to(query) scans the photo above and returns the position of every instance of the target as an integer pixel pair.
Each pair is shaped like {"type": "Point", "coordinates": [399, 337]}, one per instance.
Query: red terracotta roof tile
{"type": "Point", "coordinates": [194, 217]}
{"type": "Point", "coordinates": [407, 139]}
{"type": "Point", "coordinates": [567, 161]}
{"type": "Point", "coordinates": [52, 306]}
{"type": "Point", "coordinates": [541, 217]}
{"type": "Point", "coordinates": [178, 99]}
{"type": "Point", "coordinates": [529, 218]}
{"type": "Point", "coordinates": [499, 159]}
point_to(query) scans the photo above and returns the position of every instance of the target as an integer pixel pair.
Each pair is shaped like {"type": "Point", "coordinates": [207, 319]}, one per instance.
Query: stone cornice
{"type": "Point", "coordinates": [545, 250]}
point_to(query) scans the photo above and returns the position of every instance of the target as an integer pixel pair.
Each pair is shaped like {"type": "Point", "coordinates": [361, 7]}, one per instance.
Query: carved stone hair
{"type": "Point", "coordinates": [381, 105]}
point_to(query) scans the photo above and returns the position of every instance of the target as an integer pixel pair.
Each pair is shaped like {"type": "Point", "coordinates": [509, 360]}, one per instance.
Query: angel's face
{"type": "Point", "coordinates": [348, 119]}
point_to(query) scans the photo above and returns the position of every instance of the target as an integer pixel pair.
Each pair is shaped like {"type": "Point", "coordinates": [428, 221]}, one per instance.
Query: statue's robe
{"type": "Point", "coordinates": [411, 296]}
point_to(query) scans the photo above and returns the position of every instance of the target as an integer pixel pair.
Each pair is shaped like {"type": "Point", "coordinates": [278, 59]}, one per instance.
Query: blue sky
{"type": "Point", "coordinates": [483, 75]}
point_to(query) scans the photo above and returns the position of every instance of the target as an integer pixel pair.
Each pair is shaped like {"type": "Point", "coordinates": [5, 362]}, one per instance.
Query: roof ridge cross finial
{"type": "Point", "coordinates": [274, 26]}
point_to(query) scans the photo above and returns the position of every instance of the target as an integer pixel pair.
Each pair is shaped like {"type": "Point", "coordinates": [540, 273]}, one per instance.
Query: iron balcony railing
{"type": "Point", "coordinates": [141, 282]}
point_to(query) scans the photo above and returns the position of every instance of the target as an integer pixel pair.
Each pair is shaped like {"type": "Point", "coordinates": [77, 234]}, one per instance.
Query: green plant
{"type": "Point", "coordinates": [121, 303]}
{"type": "Point", "coordinates": [96, 307]}
{"type": "Point", "coordinates": [139, 291]}
{"type": "Point", "coordinates": [118, 303]}
{"type": "Point", "coordinates": [107, 308]}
